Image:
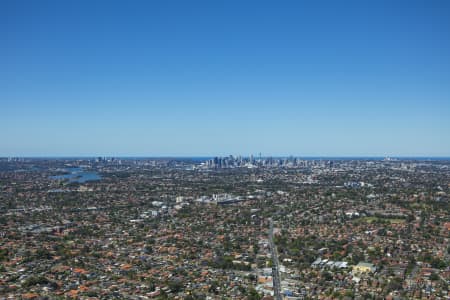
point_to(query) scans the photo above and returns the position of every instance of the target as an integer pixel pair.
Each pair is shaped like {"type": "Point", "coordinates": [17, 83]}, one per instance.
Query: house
{"type": "Point", "coordinates": [363, 267]}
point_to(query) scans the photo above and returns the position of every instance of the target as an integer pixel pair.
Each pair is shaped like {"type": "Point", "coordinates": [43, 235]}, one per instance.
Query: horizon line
{"type": "Point", "coordinates": [212, 156]}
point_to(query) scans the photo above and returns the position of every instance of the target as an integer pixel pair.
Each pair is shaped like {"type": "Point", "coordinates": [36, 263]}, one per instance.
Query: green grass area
{"type": "Point", "coordinates": [416, 205]}
{"type": "Point", "coordinates": [374, 219]}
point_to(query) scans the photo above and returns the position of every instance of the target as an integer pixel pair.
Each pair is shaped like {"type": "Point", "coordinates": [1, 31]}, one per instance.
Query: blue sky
{"type": "Point", "coordinates": [183, 78]}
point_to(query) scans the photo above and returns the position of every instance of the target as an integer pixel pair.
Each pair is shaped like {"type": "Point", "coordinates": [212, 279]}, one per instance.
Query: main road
{"type": "Point", "coordinates": [276, 265]}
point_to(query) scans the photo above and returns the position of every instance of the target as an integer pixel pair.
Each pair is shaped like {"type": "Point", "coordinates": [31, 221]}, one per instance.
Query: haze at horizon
{"type": "Point", "coordinates": [209, 78]}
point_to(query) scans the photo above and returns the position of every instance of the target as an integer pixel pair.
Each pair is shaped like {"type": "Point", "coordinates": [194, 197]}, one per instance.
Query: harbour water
{"type": "Point", "coordinates": [77, 175]}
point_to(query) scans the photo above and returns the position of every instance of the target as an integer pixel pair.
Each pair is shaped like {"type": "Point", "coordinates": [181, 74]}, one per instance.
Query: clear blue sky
{"type": "Point", "coordinates": [183, 78]}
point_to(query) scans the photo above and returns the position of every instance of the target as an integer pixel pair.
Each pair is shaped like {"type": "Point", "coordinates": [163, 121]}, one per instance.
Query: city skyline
{"type": "Point", "coordinates": [306, 79]}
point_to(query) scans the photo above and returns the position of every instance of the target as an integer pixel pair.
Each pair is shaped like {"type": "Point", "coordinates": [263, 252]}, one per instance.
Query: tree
{"type": "Point", "coordinates": [3, 254]}
{"type": "Point", "coordinates": [253, 294]}
{"type": "Point", "coordinates": [395, 285]}
{"type": "Point", "coordinates": [438, 263]}
{"type": "Point", "coordinates": [175, 285]}
{"type": "Point", "coordinates": [34, 280]}
{"type": "Point", "coordinates": [434, 277]}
